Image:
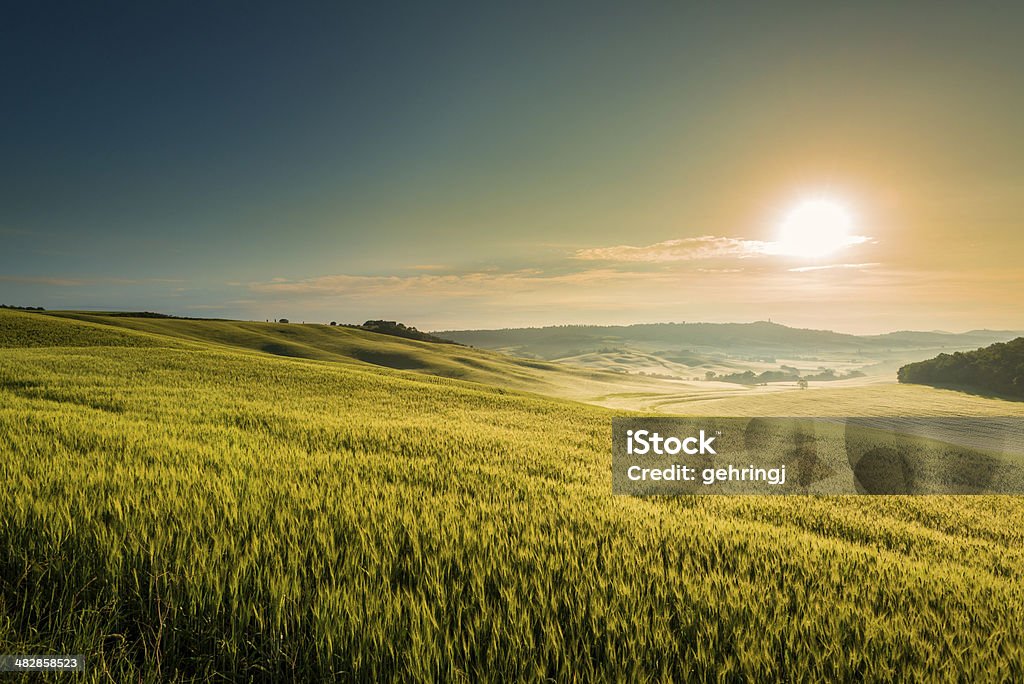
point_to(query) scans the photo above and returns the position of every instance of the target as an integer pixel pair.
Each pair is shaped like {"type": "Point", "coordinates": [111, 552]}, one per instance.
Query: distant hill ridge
{"type": "Point", "coordinates": [760, 334]}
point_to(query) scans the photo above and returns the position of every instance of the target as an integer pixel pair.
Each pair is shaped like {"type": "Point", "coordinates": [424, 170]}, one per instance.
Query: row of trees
{"type": "Point", "coordinates": [996, 369]}
{"type": "Point", "coordinates": [785, 374]}
{"type": "Point", "coordinates": [393, 328]}
{"type": "Point", "coordinates": [402, 330]}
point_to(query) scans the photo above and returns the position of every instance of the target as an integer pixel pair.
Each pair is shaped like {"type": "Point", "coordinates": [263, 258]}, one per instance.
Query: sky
{"type": "Point", "coordinates": [484, 165]}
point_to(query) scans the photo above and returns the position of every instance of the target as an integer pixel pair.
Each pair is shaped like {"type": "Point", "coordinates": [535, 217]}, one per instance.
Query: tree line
{"type": "Point", "coordinates": [996, 369]}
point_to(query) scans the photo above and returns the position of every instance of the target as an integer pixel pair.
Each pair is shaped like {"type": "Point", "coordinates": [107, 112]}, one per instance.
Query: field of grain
{"type": "Point", "coordinates": [185, 511]}
{"type": "Point", "coordinates": [348, 345]}
{"type": "Point", "coordinates": [868, 398]}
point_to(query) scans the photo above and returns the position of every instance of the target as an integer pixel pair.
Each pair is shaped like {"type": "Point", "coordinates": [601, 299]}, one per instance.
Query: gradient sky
{"type": "Point", "coordinates": [472, 165]}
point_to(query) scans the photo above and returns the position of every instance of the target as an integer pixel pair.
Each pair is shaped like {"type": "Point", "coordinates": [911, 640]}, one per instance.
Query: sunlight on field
{"type": "Point", "coordinates": [869, 399]}
{"type": "Point", "coordinates": [347, 345]}
{"type": "Point", "coordinates": [204, 512]}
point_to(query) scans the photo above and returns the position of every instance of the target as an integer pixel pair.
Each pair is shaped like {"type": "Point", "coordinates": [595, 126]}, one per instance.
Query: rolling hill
{"type": "Point", "coordinates": [344, 344]}
{"type": "Point", "coordinates": [691, 350]}
{"type": "Point", "coordinates": [761, 336]}
{"type": "Point", "coordinates": [211, 511]}
{"type": "Point", "coordinates": [658, 391]}
{"type": "Point", "coordinates": [181, 509]}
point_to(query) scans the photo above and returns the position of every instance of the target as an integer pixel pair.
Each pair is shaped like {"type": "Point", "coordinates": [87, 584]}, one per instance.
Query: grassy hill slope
{"type": "Point", "coordinates": [611, 390]}
{"type": "Point", "coordinates": [343, 344]}
{"type": "Point", "coordinates": [200, 512]}
{"type": "Point", "coordinates": [21, 329]}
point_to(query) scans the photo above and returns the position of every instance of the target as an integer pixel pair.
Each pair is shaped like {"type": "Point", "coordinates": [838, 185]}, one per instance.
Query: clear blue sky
{"type": "Point", "coordinates": [486, 164]}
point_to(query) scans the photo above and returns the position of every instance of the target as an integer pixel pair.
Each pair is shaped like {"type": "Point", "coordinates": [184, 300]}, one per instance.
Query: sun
{"type": "Point", "coordinates": [815, 228]}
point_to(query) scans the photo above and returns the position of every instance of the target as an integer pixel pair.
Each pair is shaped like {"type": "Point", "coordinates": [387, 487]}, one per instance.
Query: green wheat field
{"type": "Point", "coordinates": [178, 504]}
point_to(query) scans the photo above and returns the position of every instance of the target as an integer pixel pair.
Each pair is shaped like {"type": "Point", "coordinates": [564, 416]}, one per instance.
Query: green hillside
{"type": "Point", "coordinates": [347, 345]}
{"type": "Point", "coordinates": [20, 329]}
{"type": "Point", "coordinates": [613, 390]}
{"type": "Point", "coordinates": [186, 511]}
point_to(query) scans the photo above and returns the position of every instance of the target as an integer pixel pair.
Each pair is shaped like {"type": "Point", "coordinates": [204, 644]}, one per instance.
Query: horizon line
{"type": "Point", "coordinates": [769, 321]}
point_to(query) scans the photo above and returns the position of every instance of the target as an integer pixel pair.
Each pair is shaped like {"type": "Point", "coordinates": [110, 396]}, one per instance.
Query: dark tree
{"type": "Point", "coordinates": [997, 369]}
{"type": "Point", "coordinates": [401, 330]}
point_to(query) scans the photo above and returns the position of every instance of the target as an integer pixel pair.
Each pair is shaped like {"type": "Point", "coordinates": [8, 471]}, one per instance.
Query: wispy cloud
{"type": "Point", "coordinates": [804, 269]}
{"type": "Point", "coordinates": [700, 248]}
{"type": "Point", "coordinates": [44, 280]}
{"type": "Point", "coordinates": [60, 281]}
{"type": "Point", "coordinates": [844, 295]}
{"type": "Point", "coordinates": [449, 284]}
{"type": "Point", "coordinates": [683, 249]}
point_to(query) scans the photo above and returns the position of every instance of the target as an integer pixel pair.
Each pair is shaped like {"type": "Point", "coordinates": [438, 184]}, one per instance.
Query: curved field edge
{"type": "Point", "coordinates": [348, 345]}
{"type": "Point", "coordinates": [194, 514]}
{"type": "Point", "coordinates": [619, 391]}
{"type": "Point", "coordinates": [19, 329]}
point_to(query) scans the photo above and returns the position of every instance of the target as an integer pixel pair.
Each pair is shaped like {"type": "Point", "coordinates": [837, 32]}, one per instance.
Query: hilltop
{"type": "Point", "coordinates": [335, 344]}
{"type": "Point", "coordinates": [401, 330]}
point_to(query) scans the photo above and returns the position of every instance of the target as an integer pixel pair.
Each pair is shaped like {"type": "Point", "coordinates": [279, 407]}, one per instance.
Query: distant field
{"type": "Point", "coordinates": [691, 350]}
{"type": "Point", "coordinates": [867, 399]}
{"type": "Point", "coordinates": [179, 510]}
{"type": "Point", "coordinates": [627, 391]}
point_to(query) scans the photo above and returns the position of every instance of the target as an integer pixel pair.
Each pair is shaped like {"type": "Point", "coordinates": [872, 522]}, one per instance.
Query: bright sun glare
{"type": "Point", "coordinates": [815, 228]}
